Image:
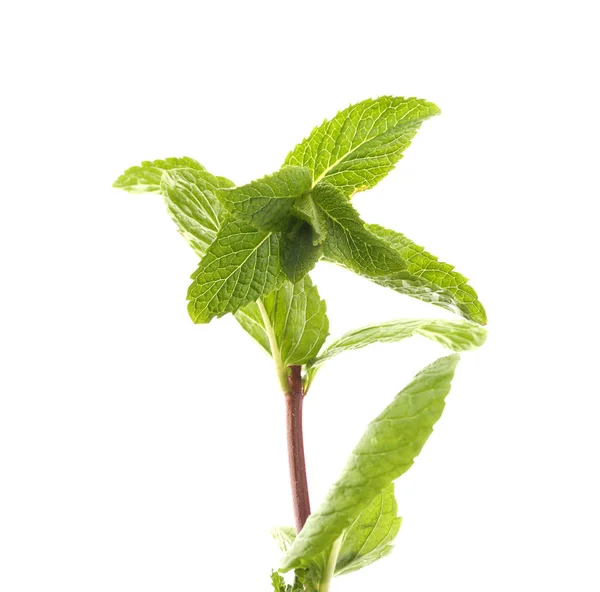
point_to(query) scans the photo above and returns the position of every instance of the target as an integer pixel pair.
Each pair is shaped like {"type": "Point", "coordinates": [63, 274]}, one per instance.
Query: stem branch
{"type": "Point", "coordinates": [295, 445]}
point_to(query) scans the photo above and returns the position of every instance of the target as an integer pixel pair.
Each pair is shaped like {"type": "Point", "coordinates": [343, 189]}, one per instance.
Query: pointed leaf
{"type": "Point", "coordinates": [457, 335]}
{"type": "Point", "coordinates": [431, 280]}
{"type": "Point", "coordinates": [348, 241]}
{"type": "Point", "coordinates": [363, 143]}
{"type": "Point", "coordinates": [238, 268]}
{"type": "Point", "coordinates": [267, 203]}
{"type": "Point", "coordinates": [298, 318]}
{"type": "Point", "coordinates": [146, 177]}
{"type": "Point", "coordinates": [191, 201]}
{"type": "Point", "coordinates": [299, 254]}
{"type": "Point", "coordinates": [386, 451]}
{"type": "Point", "coordinates": [370, 536]}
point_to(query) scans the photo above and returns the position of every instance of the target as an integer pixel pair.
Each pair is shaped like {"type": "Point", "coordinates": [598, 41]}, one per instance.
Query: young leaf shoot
{"type": "Point", "coordinates": [257, 244]}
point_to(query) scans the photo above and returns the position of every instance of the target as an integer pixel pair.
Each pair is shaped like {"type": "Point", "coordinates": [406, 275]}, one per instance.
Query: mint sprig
{"type": "Point", "coordinates": [257, 244]}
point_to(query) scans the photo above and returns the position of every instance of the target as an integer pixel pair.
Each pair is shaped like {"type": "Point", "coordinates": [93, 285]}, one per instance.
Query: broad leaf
{"type": "Point", "coordinates": [298, 318]}
{"type": "Point", "coordinates": [370, 536]}
{"type": "Point", "coordinates": [267, 203]}
{"type": "Point", "coordinates": [348, 241]}
{"type": "Point", "coordinates": [431, 280]}
{"type": "Point", "coordinates": [457, 335]}
{"type": "Point", "coordinates": [386, 451]}
{"type": "Point", "coordinates": [298, 250]}
{"type": "Point", "coordinates": [146, 177]}
{"type": "Point", "coordinates": [191, 201]}
{"type": "Point", "coordinates": [238, 268]}
{"type": "Point", "coordinates": [363, 143]}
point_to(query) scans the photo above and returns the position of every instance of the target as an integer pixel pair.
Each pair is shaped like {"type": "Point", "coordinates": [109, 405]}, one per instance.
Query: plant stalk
{"type": "Point", "coordinates": [295, 446]}
{"type": "Point", "coordinates": [291, 385]}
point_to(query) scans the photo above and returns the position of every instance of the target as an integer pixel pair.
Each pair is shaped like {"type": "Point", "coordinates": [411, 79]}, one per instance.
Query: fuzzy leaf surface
{"type": "Point", "coordinates": [146, 177]}
{"type": "Point", "coordinates": [298, 317]}
{"type": "Point", "coordinates": [458, 336]}
{"type": "Point", "coordinates": [370, 536]}
{"type": "Point", "coordinates": [349, 242]}
{"type": "Point", "coordinates": [363, 143]}
{"type": "Point", "coordinates": [240, 266]}
{"type": "Point", "coordinates": [386, 451]}
{"type": "Point", "coordinates": [267, 202]}
{"type": "Point", "coordinates": [430, 280]}
{"type": "Point", "coordinates": [193, 206]}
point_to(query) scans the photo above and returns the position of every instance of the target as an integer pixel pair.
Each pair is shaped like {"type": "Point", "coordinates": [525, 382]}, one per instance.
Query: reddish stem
{"type": "Point", "coordinates": [295, 445]}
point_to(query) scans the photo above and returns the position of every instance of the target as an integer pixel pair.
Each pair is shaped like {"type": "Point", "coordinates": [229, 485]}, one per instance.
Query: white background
{"type": "Point", "coordinates": [139, 452]}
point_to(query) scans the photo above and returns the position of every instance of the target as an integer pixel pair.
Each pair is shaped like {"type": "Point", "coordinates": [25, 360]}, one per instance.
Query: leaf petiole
{"type": "Point", "coordinates": [331, 563]}
{"type": "Point", "coordinates": [282, 373]}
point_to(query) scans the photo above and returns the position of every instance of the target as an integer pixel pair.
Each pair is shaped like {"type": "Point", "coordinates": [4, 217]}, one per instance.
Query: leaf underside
{"type": "Point", "coordinates": [386, 451]}
{"type": "Point", "coordinates": [146, 177]}
{"type": "Point", "coordinates": [456, 335]}
{"type": "Point", "coordinates": [370, 536]}
{"type": "Point", "coordinates": [430, 280]}
{"type": "Point", "coordinates": [193, 206]}
{"type": "Point", "coordinates": [349, 242]}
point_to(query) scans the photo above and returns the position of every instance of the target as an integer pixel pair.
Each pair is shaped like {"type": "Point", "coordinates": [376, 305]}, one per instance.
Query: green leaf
{"type": "Point", "coordinates": [386, 451]}
{"type": "Point", "coordinates": [267, 203]}
{"type": "Point", "coordinates": [250, 318]}
{"type": "Point", "coordinates": [299, 254]}
{"type": "Point", "coordinates": [363, 143]}
{"type": "Point", "coordinates": [370, 536]}
{"type": "Point", "coordinates": [146, 177]}
{"type": "Point", "coordinates": [348, 241]}
{"type": "Point", "coordinates": [191, 202]}
{"type": "Point", "coordinates": [297, 317]}
{"type": "Point", "coordinates": [431, 280]}
{"type": "Point", "coordinates": [456, 335]}
{"type": "Point", "coordinates": [284, 536]}
{"type": "Point", "coordinates": [279, 584]}
{"type": "Point", "coordinates": [240, 266]}
{"type": "Point", "coordinates": [306, 209]}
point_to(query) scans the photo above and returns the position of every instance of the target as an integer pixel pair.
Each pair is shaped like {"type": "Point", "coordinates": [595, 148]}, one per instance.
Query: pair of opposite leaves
{"type": "Point", "coordinates": [254, 238]}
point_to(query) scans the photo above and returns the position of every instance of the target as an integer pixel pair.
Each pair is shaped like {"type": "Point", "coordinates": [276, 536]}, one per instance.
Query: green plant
{"type": "Point", "coordinates": [257, 243]}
